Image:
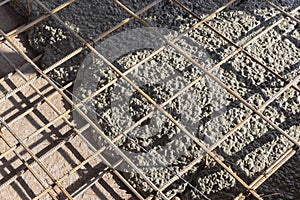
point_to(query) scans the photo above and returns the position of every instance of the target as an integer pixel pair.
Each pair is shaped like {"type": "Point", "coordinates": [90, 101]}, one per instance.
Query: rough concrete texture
{"type": "Point", "coordinates": [62, 160]}
{"type": "Point", "coordinates": [10, 20]}
{"type": "Point", "coordinates": [58, 163]}
{"type": "Point", "coordinates": [255, 145]}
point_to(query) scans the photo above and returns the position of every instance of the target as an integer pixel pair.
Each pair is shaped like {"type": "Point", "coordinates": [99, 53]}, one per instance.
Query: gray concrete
{"type": "Point", "coordinates": [255, 145]}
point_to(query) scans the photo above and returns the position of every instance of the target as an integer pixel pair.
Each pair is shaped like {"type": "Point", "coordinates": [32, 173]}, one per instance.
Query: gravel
{"type": "Point", "coordinates": [251, 149]}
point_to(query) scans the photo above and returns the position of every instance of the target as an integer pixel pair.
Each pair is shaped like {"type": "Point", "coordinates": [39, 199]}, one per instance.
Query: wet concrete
{"type": "Point", "coordinates": [248, 151]}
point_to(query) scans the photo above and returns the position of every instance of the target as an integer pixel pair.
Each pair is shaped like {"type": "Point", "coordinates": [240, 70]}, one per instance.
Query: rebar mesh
{"type": "Point", "coordinates": [48, 132]}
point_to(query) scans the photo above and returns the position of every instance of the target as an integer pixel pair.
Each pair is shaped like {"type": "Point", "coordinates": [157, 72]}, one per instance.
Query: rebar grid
{"type": "Point", "coordinates": [60, 90]}
{"type": "Point", "coordinates": [67, 98]}
{"type": "Point", "coordinates": [207, 72]}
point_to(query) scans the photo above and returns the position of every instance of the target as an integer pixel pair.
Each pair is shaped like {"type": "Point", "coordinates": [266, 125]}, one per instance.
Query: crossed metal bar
{"type": "Point", "coordinates": [209, 150]}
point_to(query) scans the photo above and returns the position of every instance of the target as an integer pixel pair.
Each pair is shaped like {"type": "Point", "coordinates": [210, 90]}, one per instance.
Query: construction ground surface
{"type": "Point", "coordinates": [206, 105]}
